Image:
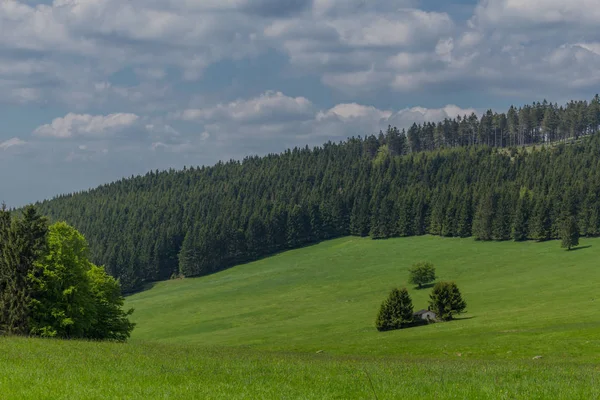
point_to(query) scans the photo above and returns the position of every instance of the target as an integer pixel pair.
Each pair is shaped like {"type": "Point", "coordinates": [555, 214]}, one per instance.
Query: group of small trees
{"type": "Point", "coordinates": [445, 300]}
{"type": "Point", "coordinates": [48, 286]}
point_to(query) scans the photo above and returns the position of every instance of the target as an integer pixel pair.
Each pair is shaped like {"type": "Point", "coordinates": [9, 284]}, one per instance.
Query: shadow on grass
{"type": "Point", "coordinates": [463, 318]}
{"type": "Point", "coordinates": [145, 286]}
{"type": "Point", "coordinates": [427, 286]}
{"type": "Point", "coordinates": [581, 248]}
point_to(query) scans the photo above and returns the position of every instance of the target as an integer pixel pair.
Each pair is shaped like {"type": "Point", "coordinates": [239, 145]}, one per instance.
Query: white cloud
{"type": "Point", "coordinates": [352, 50]}
{"type": "Point", "coordinates": [59, 48]}
{"type": "Point", "coordinates": [539, 11]}
{"type": "Point", "coordinates": [408, 116]}
{"type": "Point", "coordinates": [233, 125]}
{"type": "Point", "coordinates": [269, 106]}
{"type": "Point", "coordinates": [322, 8]}
{"type": "Point", "coordinates": [593, 47]}
{"type": "Point", "coordinates": [72, 125]}
{"type": "Point", "coordinates": [401, 28]}
{"type": "Point", "coordinates": [354, 111]}
{"type": "Point", "coordinates": [66, 50]}
{"type": "Point", "coordinates": [14, 142]}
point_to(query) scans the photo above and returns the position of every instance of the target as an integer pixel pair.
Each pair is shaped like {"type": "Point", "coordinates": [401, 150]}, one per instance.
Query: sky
{"type": "Point", "coordinates": [95, 90]}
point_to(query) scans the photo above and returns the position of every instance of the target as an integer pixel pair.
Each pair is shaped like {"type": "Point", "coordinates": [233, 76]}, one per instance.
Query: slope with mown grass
{"type": "Point", "coordinates": [523, 300]}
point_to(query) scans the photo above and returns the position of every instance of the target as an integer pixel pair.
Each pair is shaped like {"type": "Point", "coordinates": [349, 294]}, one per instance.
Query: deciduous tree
{"type": "Point", "coordinates": [421, 274]}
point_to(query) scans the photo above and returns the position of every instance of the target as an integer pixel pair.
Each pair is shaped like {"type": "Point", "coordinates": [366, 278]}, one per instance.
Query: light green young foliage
{"type": "Point", "coordinates": [73, 298]}
{"type": "Point", "coordinates": [61, 303]}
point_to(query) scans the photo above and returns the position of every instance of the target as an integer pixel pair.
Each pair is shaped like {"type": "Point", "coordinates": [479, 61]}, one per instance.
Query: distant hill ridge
{"type": "Point", "coordinates": [458, 177]}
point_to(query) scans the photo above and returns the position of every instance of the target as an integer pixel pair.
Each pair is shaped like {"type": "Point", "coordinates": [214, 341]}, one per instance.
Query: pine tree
{"type": "Point", "coordinates": [482, 221]}
{"type": "Point", "coordinates": [188, 257]}
{"type": "Point", "coordinates": [405, 217]}
{"type": "Point", "coordinates": [24, 244]}
{"type": "Point", "coordinates": [520, 227]}
{"type": "Point", "coordinates": [384, 317]}
{"type": "Point", "coordinates": [446, 300]}
{"type": "Point", "coordinates": [501, 225]}
{"type": "Point", "coordinates": [569, 233]}
{"type": "Point", "coordinates": [541, 224]}
{"type": "Point", "coordinates": [396, 311]}
{"type": "Point", "coordinates": [465, 216]}
{"type": "Point", "coordinates": [359, 220]}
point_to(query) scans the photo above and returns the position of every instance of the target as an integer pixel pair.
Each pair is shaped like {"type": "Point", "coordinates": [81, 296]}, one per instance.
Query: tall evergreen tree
{"type": "Point", "coordinates": [396, 311]}
{"type": "Point", "coordinates": [569, 233]}
{"type": "Point", "coordinates": [24, 243]}
{"type": "Point", "coordinates": [520, 227]}
{"type": "Point", "coordinates": [446, 300]}
{"type": "Point", "coordinates": [482, 222]}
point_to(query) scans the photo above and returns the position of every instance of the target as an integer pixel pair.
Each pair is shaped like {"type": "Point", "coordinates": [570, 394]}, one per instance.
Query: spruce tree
{"type": "Point", "coordinates": [465, 216]}
{"type": "Point", "coordinates": [384, 317]}
{"type": "Point", "coordinates": [541, 223]}
{"type": "Point", "coordinates": [405, 217]}
{"type": "Point", "coordinates": [520, 222]}
{"type": "Point", "coordinates": [446, 300]}
{"type": "Point", "coordinates": [569, 233]}
{"type": "Point", "coordinates": [396, 311]}
{"type": "Point", "coordinates": [25, 244]}
{"type": "Point", "coordinates": [482, 221]}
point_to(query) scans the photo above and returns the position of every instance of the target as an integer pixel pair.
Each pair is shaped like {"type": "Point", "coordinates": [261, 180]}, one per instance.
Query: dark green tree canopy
{"type": "Point", "coordinates": [446, 300]}
{"type": "Point", "coordinates": [395, 312]}
{"type": "Point", "coordinates": [569, 233]}
{"type": "Point", "coordinates": [456, 178]}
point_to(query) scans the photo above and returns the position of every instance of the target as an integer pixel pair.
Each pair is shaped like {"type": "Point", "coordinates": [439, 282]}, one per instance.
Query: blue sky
{"type": "Point", "coordinates": [95, 90]}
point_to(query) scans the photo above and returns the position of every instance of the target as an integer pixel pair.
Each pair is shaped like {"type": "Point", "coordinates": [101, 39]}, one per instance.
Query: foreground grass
{"type": "Point", "coordinates": [523, 300]}
{"type": "Point", "coordinates": [300, 325]}
{"type": "Point", "coordinates": [47, 369]}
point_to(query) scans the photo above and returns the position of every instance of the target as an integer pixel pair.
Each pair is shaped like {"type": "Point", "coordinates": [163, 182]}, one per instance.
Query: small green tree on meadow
{"type": "Point", "coordinates": [395, 311]}
{"type": "Point", "coordinates": [446, 300]}
{"type": "Point", "coordinates": [422, 273]}
{"type": "Point", "coordinates": [569, 233]}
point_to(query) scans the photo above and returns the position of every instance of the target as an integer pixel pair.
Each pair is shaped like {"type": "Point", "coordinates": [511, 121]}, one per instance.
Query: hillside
{"type": "Point", "coordinates": [456, 178]}
{"type": "Point", "coordinates": [523, 300]}
{"type": "Point", "coordinates": [256, 330]}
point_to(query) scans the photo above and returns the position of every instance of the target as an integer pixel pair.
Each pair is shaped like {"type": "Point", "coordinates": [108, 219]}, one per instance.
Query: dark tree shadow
{"type": "Point", "coordinates": [426, 286]}
{"type": "Point", "coordinates": [145, 286]}
{"type": "Point", "coordinates": [462, 318]}
{"type": "Point", "coordinates": [581, 248]}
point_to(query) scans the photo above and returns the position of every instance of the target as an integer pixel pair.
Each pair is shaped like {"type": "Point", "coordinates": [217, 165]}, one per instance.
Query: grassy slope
{"type": "Point", "coordinates": [524, 299]}
{"type": "Point", "coordinates": [253, 331]}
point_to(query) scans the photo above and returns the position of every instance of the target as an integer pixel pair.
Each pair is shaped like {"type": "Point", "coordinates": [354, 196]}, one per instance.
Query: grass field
{"type": "Point", "coordinates": [301, 325]}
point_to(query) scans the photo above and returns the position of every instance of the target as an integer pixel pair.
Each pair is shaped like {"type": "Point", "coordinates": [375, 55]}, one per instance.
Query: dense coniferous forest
{"type": "Point", "coordinates": [463, 177]}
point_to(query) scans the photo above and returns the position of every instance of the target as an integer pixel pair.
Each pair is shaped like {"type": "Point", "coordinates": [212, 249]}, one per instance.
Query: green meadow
{"type": "Point", "coordinates": [301, 325]}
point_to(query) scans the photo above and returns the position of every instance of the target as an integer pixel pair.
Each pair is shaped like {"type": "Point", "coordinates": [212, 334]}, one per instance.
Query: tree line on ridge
{"type": "Point", "coordinates": [460, 177]}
